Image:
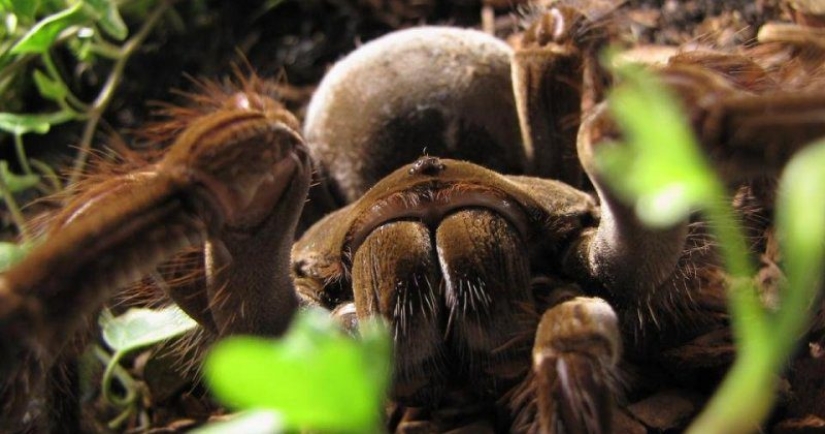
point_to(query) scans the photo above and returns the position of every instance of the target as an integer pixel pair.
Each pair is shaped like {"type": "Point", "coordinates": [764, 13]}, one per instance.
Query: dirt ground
{"type": "Point", "coordinates": [299, 40]}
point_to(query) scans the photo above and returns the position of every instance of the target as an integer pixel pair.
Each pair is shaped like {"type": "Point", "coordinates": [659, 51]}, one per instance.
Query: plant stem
{"type": "Point", "coordinates": [105, 49]}
{"type": "Point", "coordinates": [749, 318]}
{"type": "Point", "coordinates": [49, 174]}
{"type": "Point", "coordinates": [14, 210]}
{"type": "Point", "coordinates": [113, 369]}
{"type": "Point", "coordinates": [70, 97]}
{"type": "Point", "coordinates": [747, 393]}
{"type": "Point", "coordinates": [107, 92]}
{"type": "Point", "coordinates": [765, 341]}
{"type": "Point", "coordinates": [21, 154]}
{"type": "Point", "coordinates": [742, 401]}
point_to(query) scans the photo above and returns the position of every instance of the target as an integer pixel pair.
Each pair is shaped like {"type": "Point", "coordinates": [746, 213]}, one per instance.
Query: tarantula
{"type": "Point", "coordinates": [519, 290]}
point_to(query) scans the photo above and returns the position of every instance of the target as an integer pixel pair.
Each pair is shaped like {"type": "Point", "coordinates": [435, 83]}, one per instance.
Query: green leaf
{"type": "Point", "coordinates": [49, 88]}
{"type": "Point", "coordinates": [25, 8]}
{"type": "Point", "coordinates": [377, 351]}
{"type": "Point", "coordinates": [801, 227]}
{"type": "Point", "coordinates": [316, 377]}
{"type": "Point", "coordinates": [17, 183]}
{"type": "Point", "coordinates": [44, 33]}
{"type": "Point", "coordinates": [108, 17]}
{"type": "Point", "coordinates": [40, 123]}
{"type": "Point", "coordinates": [248, 422]}
{"type": "Point", "coordinates": [659, 168]}
{"type": "Point", "coordinates": [10, 254]}
{"type": "Point", "coordinates": [142, 327]}
{"type": "Point", "coordinates": [11, 28]}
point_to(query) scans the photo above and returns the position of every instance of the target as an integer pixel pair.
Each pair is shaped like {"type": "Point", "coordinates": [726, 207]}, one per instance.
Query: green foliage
{"type": "Point", "coordinates": [139, 328]}
{"type": "Point", "coordinates": [48, 87]}
{"type": "Point", "coordinates": [10, 253]}
{"type": "Point", "coordinates": [135, 329]}
{"type": "Point", "coordinates": [22, 8]}
{"type": "Point", "coordinates": [801, 222]}
{"type": "Point", "coordinates": [316, 377]}
{"type": "Point", "coordinates": [660, 170]}
{"type": "Point", "coordinates": [33, 30]}
{"type": "Point", "coordinates": [105, 13]}
{"type": "Point", "coordinates": [16, 183]}
{"type": "Point", "coordinates": [41, 37]}
{"type": "Point", "coordinates": [34, 123]}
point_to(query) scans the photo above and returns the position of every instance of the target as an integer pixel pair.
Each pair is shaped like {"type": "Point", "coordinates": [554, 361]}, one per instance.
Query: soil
{"type": "Point", "coordinates": [299, 40]}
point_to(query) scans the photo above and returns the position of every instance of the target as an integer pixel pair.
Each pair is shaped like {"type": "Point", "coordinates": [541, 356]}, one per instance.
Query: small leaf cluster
{"type": "Point", "coordinates": [35, 38]}
{"type": "Point", "coordinates": [136, 329]}
{"type": "Point", "coordinates": [33, 28]}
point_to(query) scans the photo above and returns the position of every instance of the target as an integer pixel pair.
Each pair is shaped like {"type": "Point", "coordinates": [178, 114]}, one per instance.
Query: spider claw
{"type": "Point", "coordinates": [585, 401]}
{"type": "Point", "coordinates": [574, 360]}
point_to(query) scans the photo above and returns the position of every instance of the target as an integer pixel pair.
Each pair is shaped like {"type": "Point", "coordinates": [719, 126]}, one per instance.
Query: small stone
{"type": "Point", "coordinates": [809, 424]}
{"type": "Point", "coordinates": [624, 423]}
{"type": "Point", "coordinates": [664, 410]}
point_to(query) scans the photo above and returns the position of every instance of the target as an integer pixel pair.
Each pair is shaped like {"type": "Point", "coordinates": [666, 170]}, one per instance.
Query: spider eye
{"type": "Point", "coordinates": [429, 166]}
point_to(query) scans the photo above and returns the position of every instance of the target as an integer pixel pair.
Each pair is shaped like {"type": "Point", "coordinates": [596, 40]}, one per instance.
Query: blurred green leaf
{"type": "Point", "coordinates": [25, 9]}
{"type": "Point", "coordinates": [377, 351]}
{"type": "Point", "coordinates": [49, 88]}
{"type": "Point", "coordinates": [247, 422]}
{"type": "Point", "coordinates": [316, 377]}
{"type": "Point", "coordinates": [85, 47]}
{"type": "Point", "coordinates": [659, 168]}
{"type": "Point", "coordinates": [22, 124]}
{"type": "Point", "coordinates": [39, 123]}
{"type": "Point", "coordinates": [10, 254]}
{"type": "Point", "coordinates": [44, 33]}
{"type": "Point", "coordinates": [142, 327]}
{"type": "Point", "coordinates": [801, 227]}
{"type": "Point", "coordinates": [767, 341]}
{"type": "Point", "coordinates": [10, 22]}
{"type": "Point", "coordinates": [108, 18]}
{"type": "Point", "coordinates": [17, 183]}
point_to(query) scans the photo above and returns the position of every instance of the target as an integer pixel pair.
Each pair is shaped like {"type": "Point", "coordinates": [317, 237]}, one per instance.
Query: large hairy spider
{"type": "Point", "coordinates": [522, 295]}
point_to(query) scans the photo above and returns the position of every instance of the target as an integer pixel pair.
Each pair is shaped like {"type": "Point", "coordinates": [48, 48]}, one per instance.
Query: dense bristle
{"type": "Point", "coordinates": [207, 97]}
